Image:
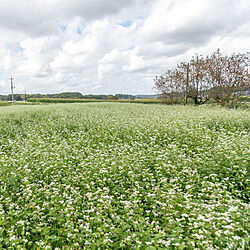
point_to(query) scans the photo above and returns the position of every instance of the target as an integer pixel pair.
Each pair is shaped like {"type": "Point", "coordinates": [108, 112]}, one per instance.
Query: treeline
{"type": "Point", "coordinates": [17, 97]}
{"type": "Point", "coordinates": [78, 95]}
{"type": "Point", "coordinates": [67, 100]}
{"type": "Point", "coordinates": [63, 95]}
{"type": "Point", "coordinates": [75, 95]}
{"type": "Point", "coordinates": [219, 77]}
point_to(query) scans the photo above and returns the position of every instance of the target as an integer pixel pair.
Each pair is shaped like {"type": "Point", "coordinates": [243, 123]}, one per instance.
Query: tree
{"type": "Point", "coordinates": [228, 76]}
{"type": "Point", "coordinates": [197, 85]}
{"type": "Point", "coordinates": [217, 76]}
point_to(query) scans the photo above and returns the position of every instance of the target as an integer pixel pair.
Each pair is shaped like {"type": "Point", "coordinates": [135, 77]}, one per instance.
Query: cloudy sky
{"type": "Point", "coordinates": [111, 46]}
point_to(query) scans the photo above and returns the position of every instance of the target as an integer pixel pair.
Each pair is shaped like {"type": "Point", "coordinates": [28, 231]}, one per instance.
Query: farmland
{"type": "Point", "coordinates": [67, 100]}
{"type": "Point", "coordinates": [123, 175]}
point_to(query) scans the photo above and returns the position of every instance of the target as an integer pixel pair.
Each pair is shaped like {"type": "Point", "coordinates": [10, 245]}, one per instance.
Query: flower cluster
{"type": "Point", "coordinates": [110, 175]}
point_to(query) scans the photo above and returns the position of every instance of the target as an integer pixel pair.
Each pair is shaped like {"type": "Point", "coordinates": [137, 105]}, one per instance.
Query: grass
{"type": "Point", "coordinates": [3, 103]}
{"type": "Point", "coordinates": [114, 175]}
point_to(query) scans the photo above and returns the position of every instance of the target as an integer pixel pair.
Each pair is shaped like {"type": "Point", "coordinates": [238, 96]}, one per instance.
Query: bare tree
{"type": "Point", "coordinates": [197, 89]}
{"type": "Point", "coordinates": [227, 76]}
{"type": "Point", "coordinates": [219, 77]}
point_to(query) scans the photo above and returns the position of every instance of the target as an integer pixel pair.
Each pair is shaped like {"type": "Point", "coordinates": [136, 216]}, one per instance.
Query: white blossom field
{"type": "Point", "coordinates": [124, 176]}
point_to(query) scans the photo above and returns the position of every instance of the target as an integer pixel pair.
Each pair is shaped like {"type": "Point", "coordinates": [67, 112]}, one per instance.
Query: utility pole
{"type": "Point", "coordinates": [187, 82]}
{"type": "Point", "coordinates": [12, 87]}
{"type": "Point", "coordinates": [25, 96]}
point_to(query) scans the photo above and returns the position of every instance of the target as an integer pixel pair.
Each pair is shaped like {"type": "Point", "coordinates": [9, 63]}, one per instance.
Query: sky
{"type": "Point", "coordinates": [111, 46]}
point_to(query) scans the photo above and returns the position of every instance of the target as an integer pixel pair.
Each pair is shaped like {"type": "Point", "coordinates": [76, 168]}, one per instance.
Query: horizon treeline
{"type": "Point", "coordinates": [67, 95]}
{"type": "Point", "coordinates": [217, 76]}
{"type": "Point", "coordinates": [74, 95]}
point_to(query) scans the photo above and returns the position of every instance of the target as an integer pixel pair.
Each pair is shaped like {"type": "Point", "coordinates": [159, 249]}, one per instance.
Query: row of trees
{"type": "Point", "coordinates": [74, 95]}
{"type": "Point", "coordinates": [17, 97]}
{"type": "Point", "coordinates": [65, 95]}
{"type": "Point", "coordinates": [217, 76]}
{"type": "Point", "coordinates": [71, 95]}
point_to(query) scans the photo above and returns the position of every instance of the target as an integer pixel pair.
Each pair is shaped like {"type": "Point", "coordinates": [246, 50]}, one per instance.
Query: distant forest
{"type": "Point", "coordinates": [75, 95]}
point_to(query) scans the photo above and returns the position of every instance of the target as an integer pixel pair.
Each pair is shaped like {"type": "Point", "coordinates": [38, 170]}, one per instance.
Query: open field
{"type": "Point", "coordinates": [67, 100]}
{"type": "Point", "coordinates": [114, 175]}
{"type": "Point", "coordinates": [242, 99]}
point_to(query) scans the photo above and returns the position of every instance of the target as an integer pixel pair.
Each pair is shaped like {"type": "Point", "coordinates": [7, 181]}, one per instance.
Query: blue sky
{"type": "Point", "coordinates": [126, 23]}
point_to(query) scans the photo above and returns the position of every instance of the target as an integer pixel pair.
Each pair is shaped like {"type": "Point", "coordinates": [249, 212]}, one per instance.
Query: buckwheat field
{"type": "Point", "coordinates": [123, 176]}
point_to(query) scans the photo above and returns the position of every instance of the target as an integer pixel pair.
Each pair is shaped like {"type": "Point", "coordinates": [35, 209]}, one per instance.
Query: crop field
{"type": "Point", "coordinates": [68, 100]}
{"type": "Point", "coordinates": [123, 176]}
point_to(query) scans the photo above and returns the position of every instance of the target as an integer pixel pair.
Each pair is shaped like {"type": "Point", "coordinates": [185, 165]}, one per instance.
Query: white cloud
{"type": "Point", "coordinates": [117, 46]}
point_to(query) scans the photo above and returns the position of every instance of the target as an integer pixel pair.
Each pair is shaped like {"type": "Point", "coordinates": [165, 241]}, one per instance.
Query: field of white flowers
{"type": "Point", "coordinates": [123, 176]}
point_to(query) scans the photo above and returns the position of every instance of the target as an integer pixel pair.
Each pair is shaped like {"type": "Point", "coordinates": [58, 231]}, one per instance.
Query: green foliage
{"type": "Point", "coordinates": [17, 97]}
{"type": "Point", "coordinates": [2, 103]}
{"type": "Point", "coordinates": [123, 176]}
{"type": "Point", "coordinates": [63, 95]}
{"type": "Point", "coordinates": [244, 98]}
